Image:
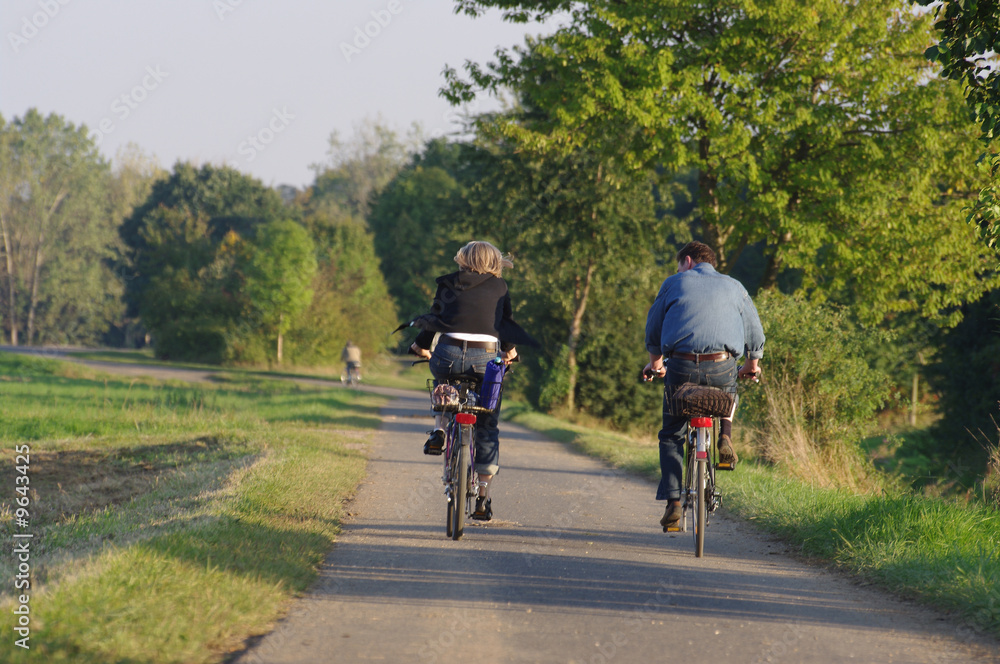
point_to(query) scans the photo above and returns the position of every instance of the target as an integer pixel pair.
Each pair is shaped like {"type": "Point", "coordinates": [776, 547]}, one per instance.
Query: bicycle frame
{"type": "Point", "coordinates": [460, 479]}
{"type": "Point", "coordinates": [699, 484]}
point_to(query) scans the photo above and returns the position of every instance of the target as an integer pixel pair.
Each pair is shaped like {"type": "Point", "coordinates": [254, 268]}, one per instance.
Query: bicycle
{"type": "Point", "coordinates": [459, 397]}
{"type": "Point", "coordinates": [351, 375]}
{"type": "Point", "coordinates": [700, 493]}
{"type": "Point", "coordinates": [700, 497]}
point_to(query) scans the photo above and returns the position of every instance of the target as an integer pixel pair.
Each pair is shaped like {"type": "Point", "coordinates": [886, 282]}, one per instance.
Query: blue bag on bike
{"type": "Point", "coordinates": [489, 395]}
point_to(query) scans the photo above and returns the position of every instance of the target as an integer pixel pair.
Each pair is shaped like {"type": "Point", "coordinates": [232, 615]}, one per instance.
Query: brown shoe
{"type": "Point", "coordinates": [727, 455]}
{"type": "Point", "coordinates": [672, 516]}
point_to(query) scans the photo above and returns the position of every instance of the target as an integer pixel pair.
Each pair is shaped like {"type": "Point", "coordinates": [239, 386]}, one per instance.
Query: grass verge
{"type": "Point", "coordinates": [938, 552]}
{"type": "Point", "coordinates": [170, 522]}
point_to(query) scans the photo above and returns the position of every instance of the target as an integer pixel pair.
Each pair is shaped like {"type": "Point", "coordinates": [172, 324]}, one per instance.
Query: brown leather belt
{"type": "Point", "coordinates": [703, 357]}
{"type": "Point", "coordinates": [450, 341]}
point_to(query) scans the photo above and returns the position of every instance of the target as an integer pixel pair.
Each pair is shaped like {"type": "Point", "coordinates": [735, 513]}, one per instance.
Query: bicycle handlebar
{"type": "Point", "coordinates": [647, 376]}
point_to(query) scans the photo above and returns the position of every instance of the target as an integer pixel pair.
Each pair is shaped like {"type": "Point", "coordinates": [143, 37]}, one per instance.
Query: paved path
{"type": "Point", "coordinates": [573, 569]}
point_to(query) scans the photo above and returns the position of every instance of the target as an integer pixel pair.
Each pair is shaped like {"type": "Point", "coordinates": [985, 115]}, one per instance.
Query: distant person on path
{"type": "Point", "coordinates": [351, 356]}
{"type": "Point", "coordinates": [472, 314]}
{"type": "Point", "coordinates": [700, 323]}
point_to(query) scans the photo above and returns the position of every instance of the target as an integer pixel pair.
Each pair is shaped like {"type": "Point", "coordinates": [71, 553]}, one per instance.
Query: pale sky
{"type": "Point", "coordinates": [257, 84]}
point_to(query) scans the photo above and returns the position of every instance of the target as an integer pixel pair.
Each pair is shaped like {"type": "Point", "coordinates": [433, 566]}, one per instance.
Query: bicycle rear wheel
{"type": "Point", "coordinates": [460, 497]}
{"type": "Point", "coordinates": [700, 509]}
{"type": "Point", "coordinates": [450, 518]}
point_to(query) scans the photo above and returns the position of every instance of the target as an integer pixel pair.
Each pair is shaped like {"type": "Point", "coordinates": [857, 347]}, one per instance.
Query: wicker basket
{"type": "Point", "coordinates": [690, 400]}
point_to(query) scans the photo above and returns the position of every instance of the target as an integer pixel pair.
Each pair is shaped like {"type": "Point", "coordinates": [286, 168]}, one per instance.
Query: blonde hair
{"type": "Point", "coordinates": [482, 257]}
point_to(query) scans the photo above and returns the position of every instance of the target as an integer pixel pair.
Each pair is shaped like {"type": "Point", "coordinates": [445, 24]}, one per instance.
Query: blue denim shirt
{"type": "Point", "coordinates": [702, 311]}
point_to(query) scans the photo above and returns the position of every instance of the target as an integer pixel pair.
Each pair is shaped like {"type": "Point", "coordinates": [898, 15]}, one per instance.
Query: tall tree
{"type": "Point", "coordinates": [578, 229]}
{"type": "Point", "coordinates": [57, 233]}
{"type": "Point", "coordinates": [417, 223]}
{"type": "Point", "coordinates": [350, 299]}
{"type": "Point", "coordinates": [279, 269]}
{"type": "Point", "coordinates": [815, 126]}
{"type": "Point", "coordinates": [182, 251]}
{"type": "Point", "coordinates": [132, 178]}
{"type": "Point", "coordinates": [358, 168]}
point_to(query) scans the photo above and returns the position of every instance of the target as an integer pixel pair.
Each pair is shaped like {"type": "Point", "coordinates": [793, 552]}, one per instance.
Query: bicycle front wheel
{"type": "Point", "coordinates": [700, 508]}
{"type": "Point", "coordinates": [460, 498]}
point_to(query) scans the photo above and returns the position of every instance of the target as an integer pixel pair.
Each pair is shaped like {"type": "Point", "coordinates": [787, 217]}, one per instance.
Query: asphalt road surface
{"type": "Point", "coordinates": [574, 569]}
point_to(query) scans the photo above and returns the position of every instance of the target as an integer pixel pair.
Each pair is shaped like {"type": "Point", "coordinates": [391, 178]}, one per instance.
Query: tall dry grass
{"type": "Point", "coordinates": [785, 439]}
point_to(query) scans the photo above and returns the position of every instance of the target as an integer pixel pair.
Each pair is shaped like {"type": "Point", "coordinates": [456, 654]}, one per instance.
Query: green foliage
{"type": "Point", "coordinates": [817, 361]}
{"type": "Point", "coordinates": [970, 40]}
{"type": "Point", "coordinates": [279, 267]}
{"type": "Point", "coordinates": [967, 53]}
{"type": "Point", "coordinates": [984, 215]}
{"type": "Point", "coordinates": [350, 299]}
{"type": "Point", "coordinates": [966, 376]}
{"type": "Point", "coordinates": [816, 128]}
{"type": "Point", "coordinates": [184, 269]}
{"type": "Point", "coordinates": [417, 226]}
{"type": "Point", "coordinates": [57, 233]}
{"type": "Point", "coordinates": [584, 240]}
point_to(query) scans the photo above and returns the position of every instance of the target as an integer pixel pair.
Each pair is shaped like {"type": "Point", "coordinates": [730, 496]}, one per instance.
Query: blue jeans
{"type": "Point", "coordinates": [672, 435]}
{"type": "Point", "coordinates": [449, 361]}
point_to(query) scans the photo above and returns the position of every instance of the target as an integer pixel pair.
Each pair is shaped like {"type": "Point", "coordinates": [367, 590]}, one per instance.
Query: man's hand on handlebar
{"type": "Point", "coordinates": [654, 369]}
{"type": "Point", "coordinates": [750, 370]}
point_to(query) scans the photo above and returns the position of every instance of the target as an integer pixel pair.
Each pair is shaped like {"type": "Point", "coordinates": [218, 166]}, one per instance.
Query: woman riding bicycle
{"type": "Point", "coordinates": [472, 315]}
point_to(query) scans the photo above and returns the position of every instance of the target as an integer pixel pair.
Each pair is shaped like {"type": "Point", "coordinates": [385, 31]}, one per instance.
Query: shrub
{"type": "Point", "coordinates": [819, 393]}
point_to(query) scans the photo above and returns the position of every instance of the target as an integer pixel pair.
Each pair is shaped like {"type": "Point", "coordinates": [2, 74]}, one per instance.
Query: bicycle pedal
{"type": "Point", "coordinates": [672, 529]}
{"type": "Point", "coordinates": [725, 466]}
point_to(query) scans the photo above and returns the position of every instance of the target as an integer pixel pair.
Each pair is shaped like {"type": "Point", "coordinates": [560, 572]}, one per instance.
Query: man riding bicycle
{"type": "Point", "coordinates": [351, 357]}
{"type": "Point", "coordinates": [699, 324]}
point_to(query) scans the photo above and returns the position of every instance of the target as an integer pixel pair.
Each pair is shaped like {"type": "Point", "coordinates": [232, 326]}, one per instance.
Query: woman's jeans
{"type": "Point", "coordinates": [449, 361]}
{"type": "Point", "coordinates": [672, 435]}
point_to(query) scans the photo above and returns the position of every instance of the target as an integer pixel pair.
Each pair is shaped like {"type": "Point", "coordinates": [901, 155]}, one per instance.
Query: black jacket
{"type": "Point", "coordinates": [471, 303]}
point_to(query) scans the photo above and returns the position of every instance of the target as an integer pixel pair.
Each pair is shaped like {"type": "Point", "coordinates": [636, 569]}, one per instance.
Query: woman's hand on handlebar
{"type": "Point", "coordinates": [509, 356]}
{"type": "Point", "coordinates": [420, 352]}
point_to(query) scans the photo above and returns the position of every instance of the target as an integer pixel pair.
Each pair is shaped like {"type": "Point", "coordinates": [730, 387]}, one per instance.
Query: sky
{"type": "Point", "coordinates": [256, 84]}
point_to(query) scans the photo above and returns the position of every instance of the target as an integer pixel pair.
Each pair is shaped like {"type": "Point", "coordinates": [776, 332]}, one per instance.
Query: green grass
{"type": "Point", "coordinates": [170, 521]}
{"type": "Point", "coordinates": [383, 370]}
{"type": "Point", "coordinates": [174, 521]}
{"type": "Point", "coordinates": [939, 552]}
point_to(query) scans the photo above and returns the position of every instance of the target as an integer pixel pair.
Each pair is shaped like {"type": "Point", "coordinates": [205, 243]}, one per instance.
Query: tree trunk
{"type": "Point", "coordinates": [11, 301]}
{"type": "Point", "coordinates": [716, 235]}
{"type": "Point", "coordinates": [36, 273]}
{"type": "Point", "coordinates": [581, 295]}
{"type": "Point", "coordinates": [281, 337]}
{"type": "Point", "coordinates": [773, 266]}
